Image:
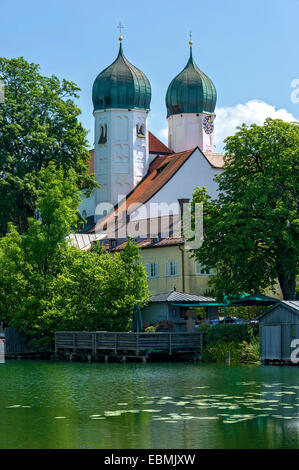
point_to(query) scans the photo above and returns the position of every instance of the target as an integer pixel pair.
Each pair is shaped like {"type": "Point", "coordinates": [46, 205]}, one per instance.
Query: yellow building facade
{"type": "Point", "coordinates": [170, 267]}
{"type": "Point", "coordinates": [173, 267]}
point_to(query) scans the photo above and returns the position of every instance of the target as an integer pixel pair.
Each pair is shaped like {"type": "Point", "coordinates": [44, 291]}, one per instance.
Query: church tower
{"type": "Point", "coordinates": [190, 101]}
{"type": "Point", "coordinates": [121, 97]}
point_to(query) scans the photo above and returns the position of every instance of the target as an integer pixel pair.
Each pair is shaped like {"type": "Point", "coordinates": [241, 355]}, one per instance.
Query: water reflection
{"type": "Point", "coordinates": [62, 405]}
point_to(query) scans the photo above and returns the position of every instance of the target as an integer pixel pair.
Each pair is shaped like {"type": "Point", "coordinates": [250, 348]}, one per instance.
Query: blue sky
{"type": "Point", "coordinates": [250, 49]}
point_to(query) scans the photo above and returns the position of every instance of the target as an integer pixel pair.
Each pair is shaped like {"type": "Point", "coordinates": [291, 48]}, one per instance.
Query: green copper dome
{"type": "Point", "coordinates": [191, 91]}
{"type": "Point", "coordinates": [121, 85]}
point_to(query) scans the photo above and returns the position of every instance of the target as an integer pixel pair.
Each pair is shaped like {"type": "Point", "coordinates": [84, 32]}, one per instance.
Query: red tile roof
{"type": "Point", "coordinates": [148, 243]}
{"type": "Point", "coordinates": [156, 146]}
{"type": "Point", "coordinates": [216, 160]}
{"type": "Point", "coordinates": [160, 171]}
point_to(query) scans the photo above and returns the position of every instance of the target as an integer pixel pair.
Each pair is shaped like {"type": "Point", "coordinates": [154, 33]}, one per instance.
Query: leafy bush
{"type": "Point", "coordinates": [251, 351]}
{"type": "Point", "coordinates": [203, 327]}
{"type": "Point", "coordinates": [150, 329]}
{"type": "Point", "coordinates": [230, 333]}
{"type": "Point", "coordinates": [242, 352]}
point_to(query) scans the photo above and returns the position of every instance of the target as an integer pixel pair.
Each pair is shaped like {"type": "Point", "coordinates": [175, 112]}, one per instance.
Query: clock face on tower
{"type": "Point", "coordinates": [208, 124]}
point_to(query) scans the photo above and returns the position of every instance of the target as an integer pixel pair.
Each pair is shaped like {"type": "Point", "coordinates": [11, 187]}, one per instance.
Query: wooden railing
{"type": "Point", "coordinates": [118, 342]}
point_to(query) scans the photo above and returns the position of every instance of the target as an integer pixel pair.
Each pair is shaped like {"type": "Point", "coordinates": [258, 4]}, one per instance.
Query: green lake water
{"type": "Point", "coordinates": [52, 405]}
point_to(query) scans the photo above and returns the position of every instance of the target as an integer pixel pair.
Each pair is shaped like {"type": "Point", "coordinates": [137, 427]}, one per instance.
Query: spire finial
{"type": "Point", "coordinates": [120, 27]}
{"type": "Point", "coordinates": [190, 42]}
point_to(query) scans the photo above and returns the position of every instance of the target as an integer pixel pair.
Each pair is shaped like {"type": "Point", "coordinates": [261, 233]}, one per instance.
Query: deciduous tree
{"type": "Point", "coordinates": [251, 230]}
{"type": "Point", "coordinates": [38, 124]}
{"type": "Point", "coordinates": [48, 285]}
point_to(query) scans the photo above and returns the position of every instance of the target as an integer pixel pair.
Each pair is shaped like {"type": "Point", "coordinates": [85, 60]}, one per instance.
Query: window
{"type": "Point", "coordinates": [140, 130]}
{"type": "Point", "coordinates": [152, 270]}
{"type": "Point", "coordinates": [84, 214]}
{"type": "Point", "coordinates": [202, 270]}
{"type": "Point", "coordinates": [171, 268]}
{"type": "Point", "coordinates": [103, 134]}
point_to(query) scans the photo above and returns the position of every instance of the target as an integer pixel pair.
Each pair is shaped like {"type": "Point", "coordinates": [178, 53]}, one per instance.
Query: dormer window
{"type": "Point", "coordinates": [161, 168]}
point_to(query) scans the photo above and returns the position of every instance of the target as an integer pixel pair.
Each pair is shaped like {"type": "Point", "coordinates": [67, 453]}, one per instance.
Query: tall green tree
{"type": "Point", "coordinates": [96, 290]}
{"type": "Point", "coordinates": [48, 285]}
{"type": "Point", "coordinates": [38, 124]}
{"type": "Point", "coordinates": [31, 261]}
{"type": "Point", "coordinates": [251, 230]}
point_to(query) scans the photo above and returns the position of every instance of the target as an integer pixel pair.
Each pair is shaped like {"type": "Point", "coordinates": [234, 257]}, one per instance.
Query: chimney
{"type": "Point", "coordinates": [181, 204]}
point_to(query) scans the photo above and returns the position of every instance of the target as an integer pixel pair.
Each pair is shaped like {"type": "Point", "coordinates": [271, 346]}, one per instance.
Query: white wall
{"type": "Point", "coordinates": [196, 171]}
{"type": "Point", "coordinates": [185, 131]}
{"type": "Point", "coordinates": [122, 161]}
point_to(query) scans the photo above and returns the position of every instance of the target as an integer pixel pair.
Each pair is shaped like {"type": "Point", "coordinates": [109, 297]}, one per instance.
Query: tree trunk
{"type": "Point", "coordinates": [287, 285]}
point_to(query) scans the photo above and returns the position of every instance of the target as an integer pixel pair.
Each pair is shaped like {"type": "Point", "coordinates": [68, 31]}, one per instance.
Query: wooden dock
{"type": "Point", "coordinates": [123, 345]}
{"type": "Point", "coordinates": [17, 345]}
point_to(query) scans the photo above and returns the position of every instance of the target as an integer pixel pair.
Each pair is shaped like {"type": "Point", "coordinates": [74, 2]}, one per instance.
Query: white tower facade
{"type": "Point", "coordinates": [121, 155]}
{"type": "Point", "coordinates": [190, 101]}
{"type": "Point", "coordinates": [121, 97]}
{"type": "Point", "coordinates": [189, 130]}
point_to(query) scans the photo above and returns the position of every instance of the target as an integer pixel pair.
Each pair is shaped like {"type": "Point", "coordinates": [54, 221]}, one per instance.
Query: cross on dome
{"type": "Point", "coordinates": [190, 35]}
{"type": "Point", "coordinates": [120, 27]}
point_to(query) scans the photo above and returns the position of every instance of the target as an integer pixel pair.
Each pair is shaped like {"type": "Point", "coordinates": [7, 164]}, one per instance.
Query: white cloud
{"type": "Point", "coordinates": [163, 134]}
{"type": "Point", "coordinates": [254, 111]}
{"type": "Point", "coordinates": [228, 118]}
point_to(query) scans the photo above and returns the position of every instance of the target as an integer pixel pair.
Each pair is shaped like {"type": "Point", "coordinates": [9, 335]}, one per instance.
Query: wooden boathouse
{"type": "Point", "coordinates": [122, 345]}
{"type": "Point", "coordinates": [279, 332]}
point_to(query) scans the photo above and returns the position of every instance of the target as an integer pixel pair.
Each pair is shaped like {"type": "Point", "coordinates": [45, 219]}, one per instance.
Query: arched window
{"type": "Point", "coordinates": [140, 129]}
{"type": "Point", "coordinates": [103, 134]}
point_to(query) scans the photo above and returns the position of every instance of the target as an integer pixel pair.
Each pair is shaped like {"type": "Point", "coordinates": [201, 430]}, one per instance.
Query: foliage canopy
{"type": "Point", "coordinates": [38, 124]}
{"type": "Point", "coordinates": [47, 285]}
{"type": "Point", "coordinates": [251, 230]}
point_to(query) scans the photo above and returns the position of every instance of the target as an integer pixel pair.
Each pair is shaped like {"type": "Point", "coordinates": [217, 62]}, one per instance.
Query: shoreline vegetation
{"type": "Point", "coordinates": [240, 340]}
{"type": "Point", "coordinates": [244, 352]}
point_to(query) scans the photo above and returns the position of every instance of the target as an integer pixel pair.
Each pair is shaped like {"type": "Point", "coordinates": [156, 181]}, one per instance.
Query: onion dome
{"type": "Point", "coordinates": [121, 85]}
{"type": "Point", "coordinates": [191, 91]}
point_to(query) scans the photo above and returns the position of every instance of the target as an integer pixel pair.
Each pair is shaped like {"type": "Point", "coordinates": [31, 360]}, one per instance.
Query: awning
{"type": "Point", "coordinates": [255, 299]}
{"type": "Point", "coordinates": [245, 299]}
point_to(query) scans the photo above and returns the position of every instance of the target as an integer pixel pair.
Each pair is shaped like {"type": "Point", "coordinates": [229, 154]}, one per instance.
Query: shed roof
{"type": "Point", "coordinates": [292, 305]}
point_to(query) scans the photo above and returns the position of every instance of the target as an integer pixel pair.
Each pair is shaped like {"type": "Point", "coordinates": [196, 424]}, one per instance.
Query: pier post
{"type": "Point", "coordinates": [227, 358]}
